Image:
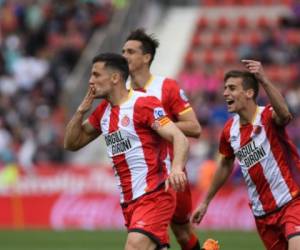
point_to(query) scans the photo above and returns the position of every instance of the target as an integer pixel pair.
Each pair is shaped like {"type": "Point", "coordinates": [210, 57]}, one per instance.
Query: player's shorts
{"type": "Point", "coordinates": [277, 228]}
{"type": "Point", "coordinates": [151, 215]}
{"type": "Point", "coordinates": [183, 208]}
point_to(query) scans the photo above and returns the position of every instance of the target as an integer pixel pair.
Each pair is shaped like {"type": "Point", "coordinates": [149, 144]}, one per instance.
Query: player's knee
{"type": "Point", "coordinates": [139, 242]}
{"type": "Point", "coordinates": [294, 243]}
{"type": "Point", "coordinates": [133, 243]}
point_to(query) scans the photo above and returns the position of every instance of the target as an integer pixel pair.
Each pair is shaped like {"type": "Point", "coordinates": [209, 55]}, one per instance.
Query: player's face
{"type": "Point", "coordinates": [132, 51]}
{"type": "Point", "coordinates": [235, 95]}
{"type": "Point", "coordinates": [100, 80]}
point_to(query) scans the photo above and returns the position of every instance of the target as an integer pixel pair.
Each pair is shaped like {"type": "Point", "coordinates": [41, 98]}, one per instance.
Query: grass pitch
{"type": "Point", "coordinates": [111, 240]}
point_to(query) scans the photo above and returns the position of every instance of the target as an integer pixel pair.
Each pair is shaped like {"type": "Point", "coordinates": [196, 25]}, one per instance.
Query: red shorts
{"type": "Point", "coordinates": [151, 215]}
{"type": "Point", "coordinates": [277, 228]}
{"type": "Point", "coordinates": [183, 208]}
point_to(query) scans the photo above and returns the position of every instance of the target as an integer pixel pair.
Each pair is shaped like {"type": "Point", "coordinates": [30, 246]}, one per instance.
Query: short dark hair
{"type": "Point", "coordinates": [249, 80]}
{"type": "Point", "coordinates": [114, 61]}
{"type": "Point", "coordinates": [149, 42]}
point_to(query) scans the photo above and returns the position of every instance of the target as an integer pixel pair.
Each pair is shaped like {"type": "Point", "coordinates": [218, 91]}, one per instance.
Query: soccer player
{"type": "Point", "coordinates": [133, 125]}
{"type": "Point", "coordinates": [139, 50]}
{"type": "Point", "coordinates": [255, 136]}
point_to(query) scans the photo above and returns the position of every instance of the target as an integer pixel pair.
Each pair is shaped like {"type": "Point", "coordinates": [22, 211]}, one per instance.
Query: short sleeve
{"type": "Point", "coordinates": [174, 98]}
{"type": "Point", "coordinates": [95, 118]}
{"type": "Point", "coordinates": [224, 145]}
{"type": "Point", "coordinates": [151, 112]}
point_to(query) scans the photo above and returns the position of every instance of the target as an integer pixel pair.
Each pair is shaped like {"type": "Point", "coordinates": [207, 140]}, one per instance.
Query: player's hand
{"type": "Point", "coordinates": [177, 179]}
{"type": "Point", "coordinates": [87, 101]}
{"type": "Point", "coordinates": [199, 213]}
{"type": "Point", "coordinates": [256, 68]}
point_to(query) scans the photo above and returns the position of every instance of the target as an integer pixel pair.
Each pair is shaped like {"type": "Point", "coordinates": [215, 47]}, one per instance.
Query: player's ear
{"type": "Point", "coordinates": [147, 58]}
{"type": "Point", "coordinates": [116, 77]}
{"type": "Point", "coordinates": [250, 93]}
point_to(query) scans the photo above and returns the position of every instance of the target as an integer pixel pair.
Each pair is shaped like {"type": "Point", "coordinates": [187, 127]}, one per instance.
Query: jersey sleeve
{"type": "Point", "coordinates": [224, 145]}
{"type": "Point", "coordinates": [151, 112]}
{"type": "Point", "coordinates": [95, 117]}
{"type": "Point", "coordinates": [174, 98]}
{"type": "Point", "coordinates": [267, 116]}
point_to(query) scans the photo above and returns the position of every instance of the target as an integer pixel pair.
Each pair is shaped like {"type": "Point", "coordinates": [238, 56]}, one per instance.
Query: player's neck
{"type": "Point", "coordinates": [118, 96]}
{"type": "Point", "coordinates": [140, 79]}
{"type": "Point", "coordinates": [248, 114]}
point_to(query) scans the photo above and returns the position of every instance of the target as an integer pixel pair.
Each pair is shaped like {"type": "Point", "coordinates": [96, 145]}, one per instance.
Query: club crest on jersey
{"type": "Point", "coordinates": [183, 95]}
{"type": "Point", "coordinates": [125, 121]}
{"type": "Point", "coordinates": [257, 129]}
{"type": "Point", "coordinates": [158, 113]}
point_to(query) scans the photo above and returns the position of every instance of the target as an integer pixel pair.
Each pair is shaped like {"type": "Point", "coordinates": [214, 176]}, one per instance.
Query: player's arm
{"type": "Point", "coordinates": [171, 133]}
{"type": "Point", "coordinates": [223, 172]}
{"type": "Point", "coordinates": [188, 123]}
{"type": "Point", "coordinates": [281, 113]}
{"type": "Point", "coordinates": [79, 133]}
{"type": "Point", "coordinates": [179, 106]}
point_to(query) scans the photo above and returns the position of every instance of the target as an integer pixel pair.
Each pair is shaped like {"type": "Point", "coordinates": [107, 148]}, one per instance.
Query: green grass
{"type": "Point", "coordinates": [110, 240]}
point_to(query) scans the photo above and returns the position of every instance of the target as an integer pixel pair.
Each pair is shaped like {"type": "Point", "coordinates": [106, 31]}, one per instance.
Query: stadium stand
{"type": "Point", "coordinates": [40, 43]}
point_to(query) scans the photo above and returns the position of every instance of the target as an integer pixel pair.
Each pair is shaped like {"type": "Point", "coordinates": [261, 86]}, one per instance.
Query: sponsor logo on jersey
{"type": "Point", "coordinates": [125, 121]}
{"type": "Point", "coordinates": [250, 154]}
{"type": "Point", "coordinates": [158, 113]}
{"type": "Point", "coordinates": [183, 95]}
{"type": "Point", "coordinates": [117, 143]}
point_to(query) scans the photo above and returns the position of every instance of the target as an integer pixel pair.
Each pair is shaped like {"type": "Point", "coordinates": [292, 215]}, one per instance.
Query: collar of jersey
{"type": "Point", "coordinates": [130, 93]}
{"type": "Point", "coordinates": [149, 81]}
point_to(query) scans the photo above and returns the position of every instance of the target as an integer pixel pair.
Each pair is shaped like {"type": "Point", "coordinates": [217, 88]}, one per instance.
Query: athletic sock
{"type": "Point", "coordinates": [193, 244]}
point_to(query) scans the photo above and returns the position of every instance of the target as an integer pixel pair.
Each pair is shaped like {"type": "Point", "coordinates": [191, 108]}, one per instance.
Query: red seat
{"type": "Point", "coordinates": [202, 22]}
{"type": "Point", "coordinates": [223, 22]}
{"type": "Point", "coordinates": [230, 56]}
{"type": "Point", "coordinates": [242, 22]}
{"type": "Point", "coordinates": [208, 57]}
{"type": "Point", "coordinates": [216, 39]}
{"type": "Point", "coordinates": [235, 39]}
{"type": "Point", "coordinates": [262, 22]}
{"type": "Point", "coordinates": [196, 41]}
{"type": "Point", "coordinates": [254, 38]}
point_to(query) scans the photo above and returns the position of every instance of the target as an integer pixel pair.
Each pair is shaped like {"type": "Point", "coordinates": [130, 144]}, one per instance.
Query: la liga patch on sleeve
{"type": "Point", "coordinates": [183, 95]}
{"type": "Point", "coordinates": [158, 113]}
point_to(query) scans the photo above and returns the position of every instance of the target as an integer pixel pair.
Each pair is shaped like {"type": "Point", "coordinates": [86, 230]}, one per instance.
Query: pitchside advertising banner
{"type": "Point", "coordinates": [86, 197]}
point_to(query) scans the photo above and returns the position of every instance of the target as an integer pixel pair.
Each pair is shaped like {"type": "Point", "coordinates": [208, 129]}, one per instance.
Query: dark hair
{"type": "Point", "coordinates": [149, 42]}
{"type": "Point", "coordinates": [114, 61]}
{"type": "Point", "coordinates": [249, 80]}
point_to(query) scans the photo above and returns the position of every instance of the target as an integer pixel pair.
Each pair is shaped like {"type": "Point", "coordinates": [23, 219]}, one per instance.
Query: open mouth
{"type": "Point", "coordinates": [229, 102]}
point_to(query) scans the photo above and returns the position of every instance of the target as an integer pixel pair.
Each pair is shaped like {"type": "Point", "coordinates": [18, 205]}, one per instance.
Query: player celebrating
{"type": "Point", "coordinates": [256, 137]}
{"type": "Point", "coordinates": [133, 125]}
{"type": "Point", "coordinates": [139, 50]}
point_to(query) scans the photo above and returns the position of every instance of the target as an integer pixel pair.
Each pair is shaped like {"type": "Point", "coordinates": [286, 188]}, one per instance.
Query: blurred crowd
{"type": "Point", "coordinates": [40, 43]}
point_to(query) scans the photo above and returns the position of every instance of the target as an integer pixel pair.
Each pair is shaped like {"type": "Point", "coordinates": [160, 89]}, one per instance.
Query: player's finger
{"type": "Point", "coordinates": [166, 185]}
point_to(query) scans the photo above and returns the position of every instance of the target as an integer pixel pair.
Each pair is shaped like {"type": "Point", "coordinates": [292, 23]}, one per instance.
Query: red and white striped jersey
{"type": "Point", "coordinates": [173, 99]}
{"type": "Point", "coordinates": [132, 145]}
{"type": "Point", "coordinates": [266, 156]}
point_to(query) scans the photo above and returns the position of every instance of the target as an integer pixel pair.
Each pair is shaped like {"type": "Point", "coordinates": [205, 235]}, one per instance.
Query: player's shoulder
{"type": "Point", "coordinates": [142, 98]}
{"type": "Point", "coordinates": [228, 124]}
{"type": "Point", "coordinates": [102, 105]}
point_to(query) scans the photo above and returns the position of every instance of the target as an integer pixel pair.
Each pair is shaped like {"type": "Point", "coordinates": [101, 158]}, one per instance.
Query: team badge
{"type": "Point", "coordinates": [183, 95]}
{"type": "Point", "coordinates": [257, 129]}
{"type": "Point", "coordinates": [125, 121]}
{"type": "Point", "coordinates": [158, 113]}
